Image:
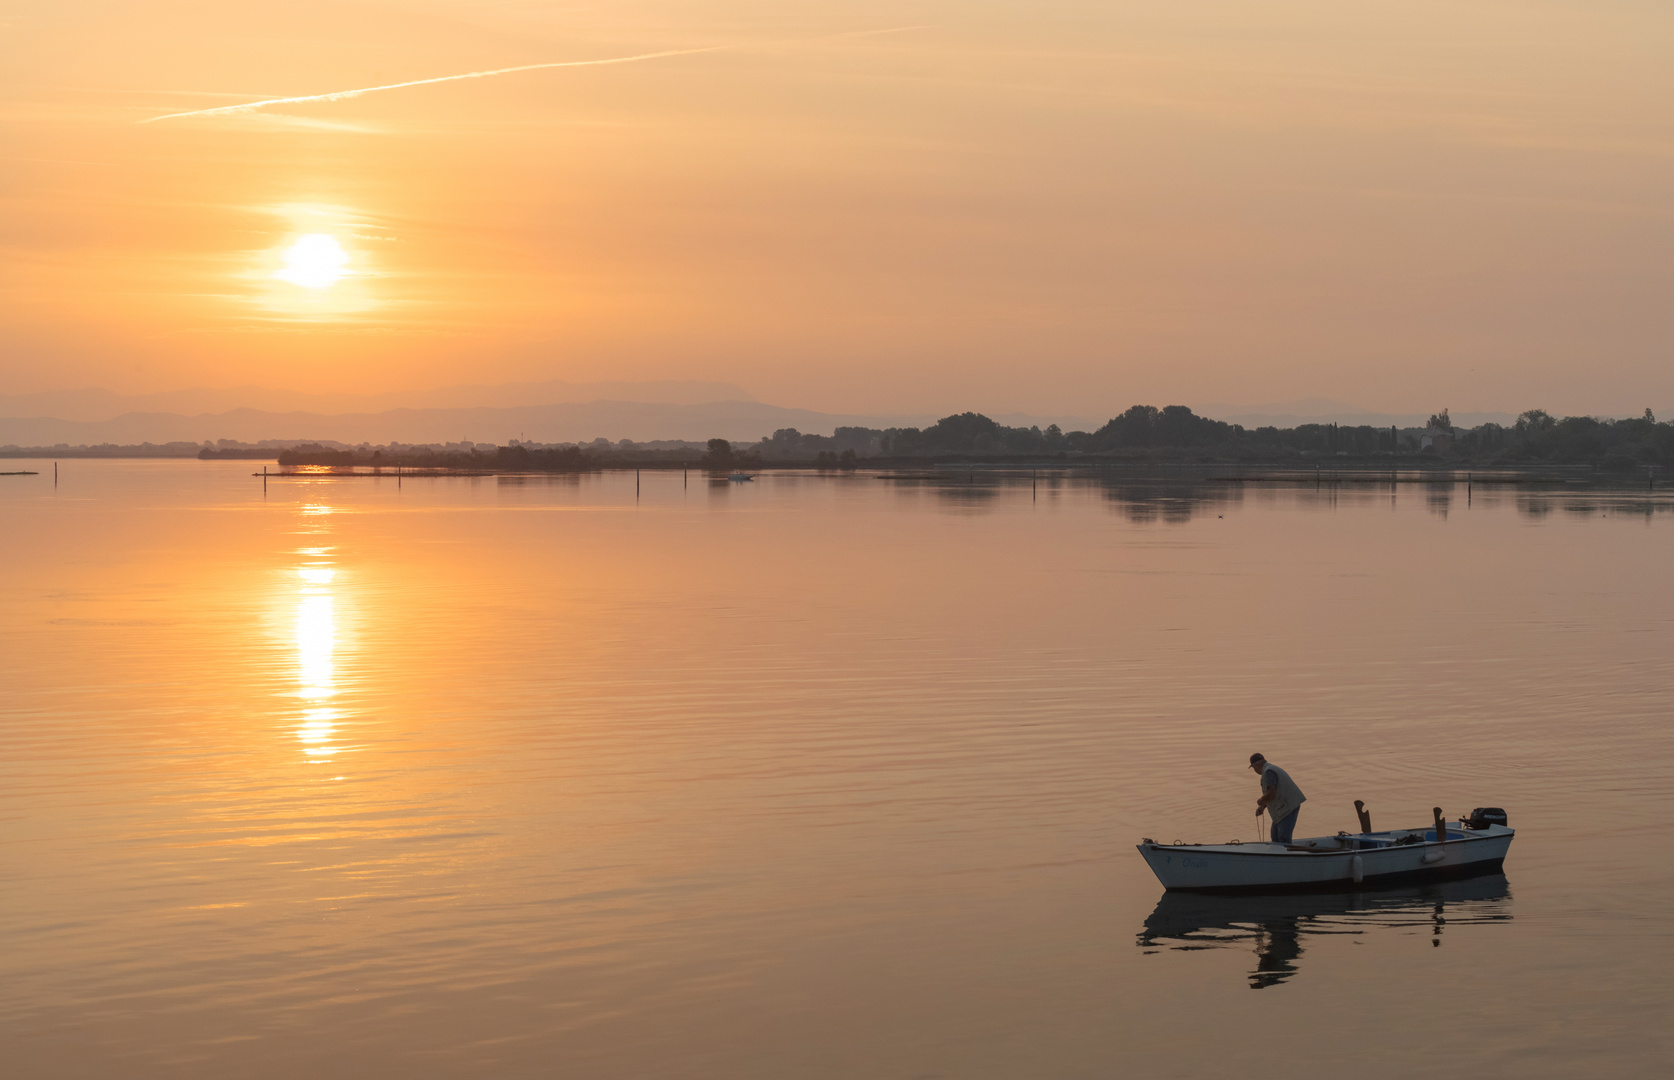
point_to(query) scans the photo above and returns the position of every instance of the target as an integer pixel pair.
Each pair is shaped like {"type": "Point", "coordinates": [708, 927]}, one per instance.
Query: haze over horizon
{"type": "Point", "coordinates": [867, 208]}
{"type": "Point", "coordinates": [551, 411]}
{"type": "Point", "coordinates": [85, 404]}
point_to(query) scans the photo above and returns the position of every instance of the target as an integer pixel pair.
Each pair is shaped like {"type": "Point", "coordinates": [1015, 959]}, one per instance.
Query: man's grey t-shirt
{"type": "Point", "coordinates": [1288, 798]}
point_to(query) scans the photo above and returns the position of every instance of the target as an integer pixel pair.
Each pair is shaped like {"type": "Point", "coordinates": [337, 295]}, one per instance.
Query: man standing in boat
{"type": "Point", "coordinates": [1280, 797]}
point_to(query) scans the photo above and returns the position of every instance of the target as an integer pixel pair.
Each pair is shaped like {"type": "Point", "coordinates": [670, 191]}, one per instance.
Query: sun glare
{"type": "Point", "coordinates": [315, 261]}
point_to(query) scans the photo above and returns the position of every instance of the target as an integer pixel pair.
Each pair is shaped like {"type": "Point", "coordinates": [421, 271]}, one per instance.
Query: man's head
{"type": "Point", "coordinates": [1257, 762]}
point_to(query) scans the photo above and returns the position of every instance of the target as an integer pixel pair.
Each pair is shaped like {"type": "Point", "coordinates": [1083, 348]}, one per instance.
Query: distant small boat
{"type": "Point", "coordinates": [739, 477]}
{"type": "Point", "coordinates": [1342, 861]}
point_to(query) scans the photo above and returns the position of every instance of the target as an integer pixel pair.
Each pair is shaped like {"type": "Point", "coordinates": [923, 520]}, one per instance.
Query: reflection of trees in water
{"type": "Point", "coordinates": [1143, 501]}
{"type": "Point", "coordinates": [1276, 924]}
{"type": "Point", "coordinates": [1439, 498]}
{"type": "Point", "coordinates": [1646, 505]}
{"type": "Point", "coordinates": [1175, 500]}
{"type": "Point", "coordinates": [968, 494]}
{"type": "Point", "coordinates": [510, 480]}
{"type": "Point", "coordinates": [1173, 503]}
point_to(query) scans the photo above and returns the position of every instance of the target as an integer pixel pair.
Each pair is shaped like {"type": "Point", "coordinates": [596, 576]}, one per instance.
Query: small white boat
{"type": "Point", "coordinates": [1469, 847]}
{"type": "Point", "coordinates": [739, 477]}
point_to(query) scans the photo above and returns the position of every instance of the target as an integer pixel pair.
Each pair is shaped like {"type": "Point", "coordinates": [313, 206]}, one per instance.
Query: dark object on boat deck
{"type": "Point", "coordinates": [1365, 818]}
{"type": "Point", "coordinates": [1441, 829]}
{"type": "Point", "coordinates": [1484, 816]}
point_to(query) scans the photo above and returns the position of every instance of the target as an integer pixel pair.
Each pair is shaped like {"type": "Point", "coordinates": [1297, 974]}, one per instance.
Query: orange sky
{"type": "Point", "coordinates": [1042, 206]}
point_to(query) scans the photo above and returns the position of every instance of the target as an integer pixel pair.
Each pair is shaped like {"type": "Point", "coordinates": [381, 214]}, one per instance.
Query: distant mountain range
{"type": "Point", "coordinates": [545, 412]}
{"type": "Point", "coordinates": [537, 412]}
{"type": "Point", "coordinates": [564, 422]}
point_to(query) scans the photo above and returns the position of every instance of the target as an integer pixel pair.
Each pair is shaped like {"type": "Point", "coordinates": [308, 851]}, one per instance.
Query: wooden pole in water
{"type": "Point", "coordinates": [636, 483]}
{"type": "Point", "coordinates": [1365, 818]}
{"type": "Point", "coordinates": [55, 474]}
{"type": "Point", "coordinates": [1441, 833]}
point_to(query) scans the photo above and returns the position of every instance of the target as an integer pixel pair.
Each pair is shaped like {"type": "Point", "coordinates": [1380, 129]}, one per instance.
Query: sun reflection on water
{"type": "Point", "coordinates": [316, 648]}
{"type": "Point", "coordinates": [316, 640]}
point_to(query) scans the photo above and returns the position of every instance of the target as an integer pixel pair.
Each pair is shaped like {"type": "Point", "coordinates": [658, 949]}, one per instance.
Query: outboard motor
{"type": "Point", "coordinates": [1484, 816]}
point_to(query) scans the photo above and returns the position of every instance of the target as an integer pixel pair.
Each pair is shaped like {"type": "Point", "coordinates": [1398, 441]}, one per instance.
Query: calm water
{"type": "Point", "coordinates": [816, 776]}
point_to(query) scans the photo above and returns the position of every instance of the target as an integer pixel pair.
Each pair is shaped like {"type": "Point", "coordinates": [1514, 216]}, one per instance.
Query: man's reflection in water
{"type": "Point", "coordinates": [1278, 945]}
{"type": "Point", "coordinates": [1277, 923]}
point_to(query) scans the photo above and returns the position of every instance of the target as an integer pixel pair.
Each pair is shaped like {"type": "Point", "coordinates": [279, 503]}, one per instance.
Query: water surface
{"type": "Point", "coordinates": [817, 776]}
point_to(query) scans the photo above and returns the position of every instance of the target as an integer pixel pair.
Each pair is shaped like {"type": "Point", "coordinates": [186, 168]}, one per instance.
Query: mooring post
{"type": "Point", "coordinates": [1364, 815]}
{"type": "Point", "coordinates": [636, 483]}
{"type": "Point", "coordinates": [1441, 832]}
{"type": "Point", "coordinates": [55, 474]}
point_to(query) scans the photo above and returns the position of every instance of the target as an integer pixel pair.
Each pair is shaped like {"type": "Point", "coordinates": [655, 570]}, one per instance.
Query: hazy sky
{"type": "Point", "coordinates": [1049, 206]}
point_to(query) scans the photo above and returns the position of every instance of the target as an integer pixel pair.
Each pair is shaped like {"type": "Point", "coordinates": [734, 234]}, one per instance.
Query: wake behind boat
{"type": "Point", "coordinates": [1477, 844]}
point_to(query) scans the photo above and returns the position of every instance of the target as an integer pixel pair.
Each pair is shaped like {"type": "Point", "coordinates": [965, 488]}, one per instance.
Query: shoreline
{"type": "Point", "coordinates": [958, 472]}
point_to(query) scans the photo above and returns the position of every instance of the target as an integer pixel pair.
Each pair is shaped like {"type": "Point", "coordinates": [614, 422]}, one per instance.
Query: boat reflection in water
{"type": "Point", "coordinates": [1276, 924]}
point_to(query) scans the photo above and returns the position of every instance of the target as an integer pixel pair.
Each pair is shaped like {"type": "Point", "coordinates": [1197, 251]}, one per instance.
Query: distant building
{"type": "Point", "coordinates": [1439, 438]}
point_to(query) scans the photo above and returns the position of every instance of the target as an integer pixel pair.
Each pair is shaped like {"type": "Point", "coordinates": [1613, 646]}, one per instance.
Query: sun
{"type": "Point", "coordinates": [314, 261]}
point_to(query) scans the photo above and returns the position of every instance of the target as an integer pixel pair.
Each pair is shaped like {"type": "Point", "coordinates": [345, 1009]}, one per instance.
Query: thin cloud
{"type": "Point", "coordinates": [339, 95]}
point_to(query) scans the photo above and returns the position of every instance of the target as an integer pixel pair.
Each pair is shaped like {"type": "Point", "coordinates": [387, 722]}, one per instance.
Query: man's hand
{"type": "Point", "coordinates": [1260, 806]}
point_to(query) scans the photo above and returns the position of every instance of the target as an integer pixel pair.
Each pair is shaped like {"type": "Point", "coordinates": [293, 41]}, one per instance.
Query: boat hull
{"type": "Point", "coordinates": [1382, 860]}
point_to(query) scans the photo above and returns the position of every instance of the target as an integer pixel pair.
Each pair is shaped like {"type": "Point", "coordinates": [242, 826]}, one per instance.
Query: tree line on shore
{"type": "Point", "coordinates": [515, 457]}
{"type": "Point", "coordinates": [1142, 433]}
{"type": "Point", "coordinates": [1175, 433]}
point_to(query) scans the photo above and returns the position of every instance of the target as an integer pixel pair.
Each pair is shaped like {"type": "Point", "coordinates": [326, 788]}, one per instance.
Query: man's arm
{"type": "Point", "coordinates": [1268, 794]}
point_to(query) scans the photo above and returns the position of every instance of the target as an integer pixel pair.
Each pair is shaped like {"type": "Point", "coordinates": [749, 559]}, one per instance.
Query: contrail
{"type": "Point", "coordinates": [339, 95]}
